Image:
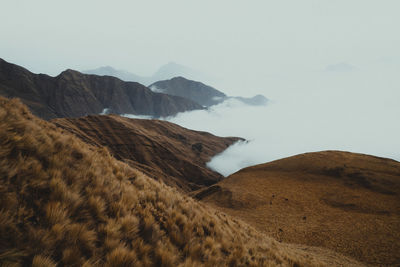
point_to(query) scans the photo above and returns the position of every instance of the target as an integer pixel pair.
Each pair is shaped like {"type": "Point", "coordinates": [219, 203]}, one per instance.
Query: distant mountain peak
{"type": "Point", "coordinates": [107, 68]}
{"type": "Point", "coordinates": [183, 79]}
{"type": "Point", "coordinates": [173, 63]}
{"type": "Point", "coordinates": [196, 91]}
{"type": "Point", "coordinates": [73, 94]}
{"type": "Point", "coordinates": [179, 78]}
{"type": "Point", "coordinates": [201, 93]}
{"type": "Point", "coordinates": [118, 73]}
{"type": "Point", "coordinates": [68, 72]}
{"type": "Point", "coordinates": [70, 75]}
{"type": "Point", "coordinates": [166, 71]}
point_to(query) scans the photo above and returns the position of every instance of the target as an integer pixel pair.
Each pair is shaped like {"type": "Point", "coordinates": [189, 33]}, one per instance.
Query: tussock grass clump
{"type": "Point", "coordinates": [65, 203]}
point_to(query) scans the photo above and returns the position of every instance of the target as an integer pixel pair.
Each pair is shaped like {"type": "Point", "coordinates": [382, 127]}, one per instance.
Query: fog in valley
{"type": "Point", "coordinates": [329, 68]}
{"type": "Point", "coordinates": [353, 111]}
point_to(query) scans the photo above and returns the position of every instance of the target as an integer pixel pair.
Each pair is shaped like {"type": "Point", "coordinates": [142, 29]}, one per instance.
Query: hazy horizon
{"type": "Point", "coordinates": [250, 47]}
{"type": "Point", "coordinates": [330, 68]}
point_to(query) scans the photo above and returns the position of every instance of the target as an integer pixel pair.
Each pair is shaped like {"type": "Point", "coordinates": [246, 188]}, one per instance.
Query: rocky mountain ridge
{"type": "Point", "coordinates": [166, 71]}
{"type": "Point", "coordinates": [201, 93]}
{"type": "Point", "coordinates": [73, 94]}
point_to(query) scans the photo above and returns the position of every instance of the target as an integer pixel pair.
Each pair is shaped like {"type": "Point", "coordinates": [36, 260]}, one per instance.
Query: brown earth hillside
{"type": "Point", "coordinates": [74, 94]}
{"type": "Point", "coordinates": [65, 203]}
{"type": "Point", "coordinates": [344, 201]}
{"type": "Point", "coordinates": [161, 149]}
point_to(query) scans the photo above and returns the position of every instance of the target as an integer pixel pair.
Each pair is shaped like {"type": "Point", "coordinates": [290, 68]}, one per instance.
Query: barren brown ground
{"type": "Point", "coordinates": [65, 203]}
{"type": "Point", "coordinates": [343, 201]}
{"type": "Point", "coordinates": [163, 150]}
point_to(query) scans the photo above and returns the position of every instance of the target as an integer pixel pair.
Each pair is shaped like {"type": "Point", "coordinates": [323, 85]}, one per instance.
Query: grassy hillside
{"type": "Point", "coordinates": [161, 149]}
{"type": "Point", "coordinates": [66, 203]}
{"type": "Point", "coordinates": [343, 201]}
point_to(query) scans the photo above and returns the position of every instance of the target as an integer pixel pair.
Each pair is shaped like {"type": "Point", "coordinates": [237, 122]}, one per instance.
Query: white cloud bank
{"type": "Point", "coordinates": [357, 112]}
{"type": "Point", "coordinates": [133, 116]}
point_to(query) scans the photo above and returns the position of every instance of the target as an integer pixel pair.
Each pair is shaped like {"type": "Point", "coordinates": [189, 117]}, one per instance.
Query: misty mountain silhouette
{"type": "Point", "coordinates": [167, 71]}
{"type": "Point", "coordinates": [178, 80]}
{"type": "Point", "coordinates": [257, 100]}
{"type": "Point", "coordinates": [120, 74]}
{"type": "Point", "coordinates": [73, 94]}
{"type": "Point", "coordinates": [201, 93]}
{"type": "Point", "coordinates": [172, 69]}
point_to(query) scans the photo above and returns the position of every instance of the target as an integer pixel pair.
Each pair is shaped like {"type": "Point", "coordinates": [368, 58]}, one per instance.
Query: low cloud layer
{"type": "Point", "coordinates": [133, 116]}
{"type": "Point", "coordinates": [357, 112]}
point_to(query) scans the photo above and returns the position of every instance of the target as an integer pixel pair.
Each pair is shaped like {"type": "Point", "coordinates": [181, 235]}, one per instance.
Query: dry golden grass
{"type": "Point", "coordinates": [342, 201]}
{"type": "Point", "coordinates": [67, 204]}
{"type": "Point", "coordinates": [162, 150]}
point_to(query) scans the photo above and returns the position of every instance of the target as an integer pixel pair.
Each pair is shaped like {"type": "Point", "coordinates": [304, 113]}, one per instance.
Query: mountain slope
{"type": "Point", "coordinates": [120, 74]}
{"type": "Point", "coordinates": [343, 201]}
{"type": "Point", "coordinates": [167, 71]}
{"type": "Point", "coordinates": [257, 100]}
{"type": "Point", "coordinates": [200, 93]}
{"type": "Point", "coordinates": [160, 149]}
{"type": "Point", "coordinates": [73, 94]}
{"type": "Point", "coordinates": [65, 203]}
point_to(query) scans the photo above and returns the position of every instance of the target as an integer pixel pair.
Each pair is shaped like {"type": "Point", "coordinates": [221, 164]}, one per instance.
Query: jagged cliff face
{"type": "Point", "coordinates": [202, 94]}
{"type": "Point", "coordinates": [73, 94]}
{"type": "Point", "coordinates": [161, 149]}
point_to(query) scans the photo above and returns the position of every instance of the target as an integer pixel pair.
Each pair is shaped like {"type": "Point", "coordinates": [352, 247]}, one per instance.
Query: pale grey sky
{"type": "Point", "coordinates": [253, 44]}
{"type": "Point", "coordinates": [330, 67]}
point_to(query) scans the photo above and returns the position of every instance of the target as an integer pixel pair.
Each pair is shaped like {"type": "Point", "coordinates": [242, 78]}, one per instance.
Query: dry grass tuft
{"type": "Point", "coordinates": [65, 203]}
{"type": "Point", "coordinates": [41, 261]}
